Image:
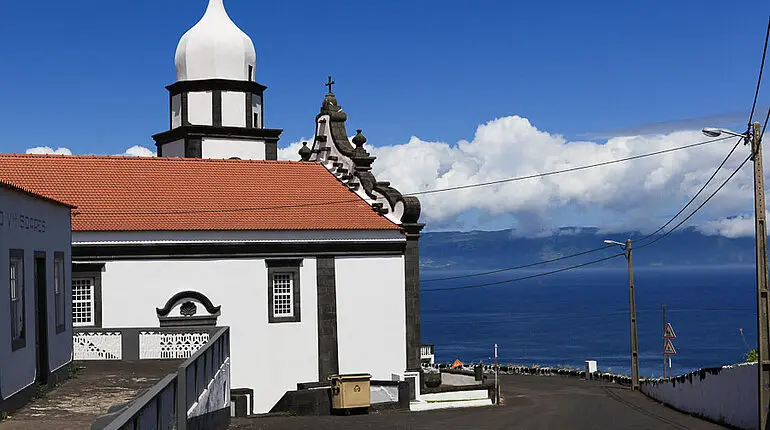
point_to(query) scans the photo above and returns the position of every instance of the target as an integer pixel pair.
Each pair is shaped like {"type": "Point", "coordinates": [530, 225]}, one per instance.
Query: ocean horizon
{"type": "Point", "coordinates": [567, 318]}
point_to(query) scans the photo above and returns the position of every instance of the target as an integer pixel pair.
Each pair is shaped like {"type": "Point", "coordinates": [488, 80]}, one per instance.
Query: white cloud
{"type": "Point", "coordinates": [139, 151]}
{"type": "Point", "coordinates": [49, 150]}
{"type": "Point", "coordinates": [639, 194]}
{"type": "Point", "coordinates": [291, 152]}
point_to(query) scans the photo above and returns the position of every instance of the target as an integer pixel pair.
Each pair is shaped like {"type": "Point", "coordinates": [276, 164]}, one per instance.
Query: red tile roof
{"type": "Point", "coordinates": [140, 194]}
{"type": "Point", "coordinates": [17, 188]}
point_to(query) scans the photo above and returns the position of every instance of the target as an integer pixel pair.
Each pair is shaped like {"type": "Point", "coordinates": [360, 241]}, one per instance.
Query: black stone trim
{"type": "Point", "coordinates": [328, 344]}
{"type": "Point", "coordinates": [250, 110]}
{"type": "Point", "coordinates": [283, 266]}
{"type": "Point", "coordinates": [185, 109]}
{"type": "Point", "coordinates": [21, 341]}
{"type": "Point", "coordinates": [87, 271]}
{"type": "Point", "coordinates": [216, 108]}
{"type": "Point", "coordinates": [182, 87]}
{"type": "Point", "coordinates": [232, 250]}
{"type": "Point", "coordinates": [271, 150]}
{"type": "Point", "coordinates": [183, 295]}
{"type": "Point", "coordinates": [412, 297]}
{"type": "Point", "coordinates": [188, 131]}
{"type": "Point", "coordinates": [193, 147]}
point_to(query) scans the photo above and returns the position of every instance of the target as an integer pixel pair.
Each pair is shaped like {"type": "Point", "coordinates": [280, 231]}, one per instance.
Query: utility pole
{"type": "Point", "coordinates": [634, 343]}
{"type": "Point", "coordinates": [497, 380]}
{"type": "Point", "coordinates": [664, 341]}
{"type": "Point", "coordinates": [760, 233]}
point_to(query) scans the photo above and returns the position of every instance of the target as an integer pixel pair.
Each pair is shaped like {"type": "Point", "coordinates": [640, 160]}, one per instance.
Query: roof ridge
{"type": "Point", "coordinates": [154, 159]}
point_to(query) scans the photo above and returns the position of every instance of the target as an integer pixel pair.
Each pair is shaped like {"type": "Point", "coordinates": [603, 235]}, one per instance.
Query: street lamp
{"type": "Point", "coordinates": [754, 134]}
{"type": "Point", "coordinates": [634, 343]}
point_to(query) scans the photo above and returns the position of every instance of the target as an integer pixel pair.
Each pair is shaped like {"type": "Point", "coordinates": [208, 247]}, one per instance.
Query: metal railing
{"type": "Point", "coordinates": [174, 400]}
{"type": "Point", "coordinates": [130, 344]}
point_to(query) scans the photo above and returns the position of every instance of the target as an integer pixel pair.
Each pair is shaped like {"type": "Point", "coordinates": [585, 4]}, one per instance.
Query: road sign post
{"type": "Point", "coordinates": [668, 345]}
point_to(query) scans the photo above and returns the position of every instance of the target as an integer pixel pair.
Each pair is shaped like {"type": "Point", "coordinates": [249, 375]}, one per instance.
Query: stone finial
{"type": "Point", "coordinates": [305, 152]}
{"type": "Point", "coordinates": [359, 139]}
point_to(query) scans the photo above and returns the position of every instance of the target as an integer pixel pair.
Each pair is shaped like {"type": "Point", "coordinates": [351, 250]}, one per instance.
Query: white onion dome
{"type": "Point", "coordinates": [215, 48]}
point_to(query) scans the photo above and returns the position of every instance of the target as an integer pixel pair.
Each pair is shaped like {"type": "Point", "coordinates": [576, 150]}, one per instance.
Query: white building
{"type": "Point", "coordinates": [35, 319]}
{"type": "Point", "coordinates": [313, 264]}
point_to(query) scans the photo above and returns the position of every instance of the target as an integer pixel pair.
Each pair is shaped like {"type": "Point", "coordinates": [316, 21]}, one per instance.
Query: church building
{"type": "Point", "coordinates": [312, 263]}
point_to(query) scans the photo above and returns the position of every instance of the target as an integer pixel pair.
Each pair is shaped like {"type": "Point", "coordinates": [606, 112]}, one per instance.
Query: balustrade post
{"type": "Point", "coordinates": [129, 339]}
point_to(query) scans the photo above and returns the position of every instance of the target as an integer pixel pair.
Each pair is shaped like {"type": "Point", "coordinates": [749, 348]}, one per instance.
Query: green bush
{"type": "Point", "coordinates": [752, 356]}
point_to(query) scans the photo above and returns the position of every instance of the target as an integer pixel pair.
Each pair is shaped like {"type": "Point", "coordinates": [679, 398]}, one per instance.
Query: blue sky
{"type": "Point", "coordinates": [90, 75]}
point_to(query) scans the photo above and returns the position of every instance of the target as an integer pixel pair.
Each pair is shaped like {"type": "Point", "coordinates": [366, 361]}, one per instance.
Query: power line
{"type": "Point", "coordinates": [699, 206]}
{"type": "Point", "coordinates": [524, 266]}
{"type": "Point", "coordinates": [692, 199]}
{"type": "Point", "coordinates": [506, 269]}
{"type": "Point", "coordinates": [417, 193]}
{"type": "Point", "coordinates": [603, 259]}
{"type": "Point", "coordinates": [571, 169]}
{"type": "Point", "coordinates": [506, 281]}
{"type": "Point", "coordinates": [761, 68]}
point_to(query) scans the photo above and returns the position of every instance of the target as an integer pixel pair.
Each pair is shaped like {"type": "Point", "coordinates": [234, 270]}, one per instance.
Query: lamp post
{"type": "Point", "coordinates": [634, 343]}
{"type": "Point", "coordinates": [754, 135]}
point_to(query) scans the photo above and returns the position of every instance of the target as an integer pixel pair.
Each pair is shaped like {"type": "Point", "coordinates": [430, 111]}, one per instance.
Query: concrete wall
{"type": "Point", "coordinates": [727, 394]}
{"type": "Point", "coordinates": [32, 225]}
{"type": "Point", "coordinates": [226, 148]}
{"type": "Point", "coordinates": [270, 358]}
{"type": "Point", "coordinates": [371, 320]}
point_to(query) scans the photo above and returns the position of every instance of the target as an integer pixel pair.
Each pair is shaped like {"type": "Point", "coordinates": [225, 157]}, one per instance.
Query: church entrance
{"type": "Point", "coordinates": [41, 317]}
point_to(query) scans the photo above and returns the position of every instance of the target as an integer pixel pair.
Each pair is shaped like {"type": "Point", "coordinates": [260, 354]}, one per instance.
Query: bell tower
{"type": "Point", "coordinates": [216, 105]}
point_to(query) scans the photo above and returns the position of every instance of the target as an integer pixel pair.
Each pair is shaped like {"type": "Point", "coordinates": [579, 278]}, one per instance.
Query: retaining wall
{"type": "Point", "coordinates": [722, 394]}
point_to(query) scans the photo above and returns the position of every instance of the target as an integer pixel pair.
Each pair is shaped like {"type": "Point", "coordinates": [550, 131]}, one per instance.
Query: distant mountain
{"type": "Point", "coordinates": [497, 249]}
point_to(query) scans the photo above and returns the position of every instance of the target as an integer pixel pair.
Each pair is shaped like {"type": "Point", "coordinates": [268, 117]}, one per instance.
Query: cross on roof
{"type": "Point", "coordinates": [329, 84]}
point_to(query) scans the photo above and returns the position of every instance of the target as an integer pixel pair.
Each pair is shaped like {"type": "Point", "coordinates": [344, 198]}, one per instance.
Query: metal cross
{"type": "Point", "coordinates": [330, 83]}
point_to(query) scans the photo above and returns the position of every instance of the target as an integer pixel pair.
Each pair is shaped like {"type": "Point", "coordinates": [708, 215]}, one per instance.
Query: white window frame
{"type": "Point", "coordinates": [282, 298]}
{"type": "Point", "coordinates": [90, 302]}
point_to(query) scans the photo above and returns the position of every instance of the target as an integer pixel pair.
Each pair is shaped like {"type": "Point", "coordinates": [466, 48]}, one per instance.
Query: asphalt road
{"type": "Point", "coordinates": [531, 402]}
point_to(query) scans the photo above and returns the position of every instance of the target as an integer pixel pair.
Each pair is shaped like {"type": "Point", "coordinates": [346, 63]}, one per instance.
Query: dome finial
{"type": "Point", "coordinates": [215, 48]}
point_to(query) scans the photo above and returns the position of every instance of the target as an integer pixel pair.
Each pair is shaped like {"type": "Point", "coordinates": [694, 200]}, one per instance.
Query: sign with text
{"type": "Point", "coordinates": [13, 220]}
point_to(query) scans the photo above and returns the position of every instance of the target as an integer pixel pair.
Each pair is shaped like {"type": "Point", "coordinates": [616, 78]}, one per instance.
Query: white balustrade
{"type": "Point", "coordinates": [98, 345]}
{"type": "Point", "coordinates": [159, 345]}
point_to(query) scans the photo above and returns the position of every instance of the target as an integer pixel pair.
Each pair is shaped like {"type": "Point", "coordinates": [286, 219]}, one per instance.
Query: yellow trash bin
{"type": "Point", "coordinates": [350, 391]}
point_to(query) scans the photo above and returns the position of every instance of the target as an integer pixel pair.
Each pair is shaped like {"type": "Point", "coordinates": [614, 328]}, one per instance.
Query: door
{"type": "Point", "coordinates": [41, 317]}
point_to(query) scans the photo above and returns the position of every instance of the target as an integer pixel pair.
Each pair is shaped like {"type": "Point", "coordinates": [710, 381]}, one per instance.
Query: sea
{"type": "Point", "coordinates": [567, 318]}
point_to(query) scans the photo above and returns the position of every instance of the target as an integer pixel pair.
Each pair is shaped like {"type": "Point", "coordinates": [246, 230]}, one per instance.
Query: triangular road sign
{"type": "Point", "coordinates": [668, 333]}
{"type": "Point", "coordinates": [668, 349]}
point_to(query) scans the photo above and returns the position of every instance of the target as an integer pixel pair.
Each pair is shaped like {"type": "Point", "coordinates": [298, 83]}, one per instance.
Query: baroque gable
{"type": "Point", "coordinates": [351, 163]}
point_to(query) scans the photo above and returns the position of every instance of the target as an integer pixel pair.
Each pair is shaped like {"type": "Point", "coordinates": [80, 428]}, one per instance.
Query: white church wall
{"type": "Point", "coordinates": [228, 148]}
{"type": "Point", "coordinates": [199, 108]}
{"type": "Point", "coordinates": [270, 358]}
{"type": "Point", "coordinates": [233, 109]}
{"type": "Point", "coordinates": [371, 319]}
{"type": "Point", "coordinates": [31, 225]}
{"type": "Point", "coordinates": [174, 149]}
{"type": "Point", "coordinates": [176, 111]}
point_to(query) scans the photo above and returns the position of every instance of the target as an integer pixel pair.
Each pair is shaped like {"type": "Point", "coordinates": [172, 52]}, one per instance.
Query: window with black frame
{"type": "Point", "coordinates": [59, 282]}
{"type": "Point", "coordinates": [18, 338]}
